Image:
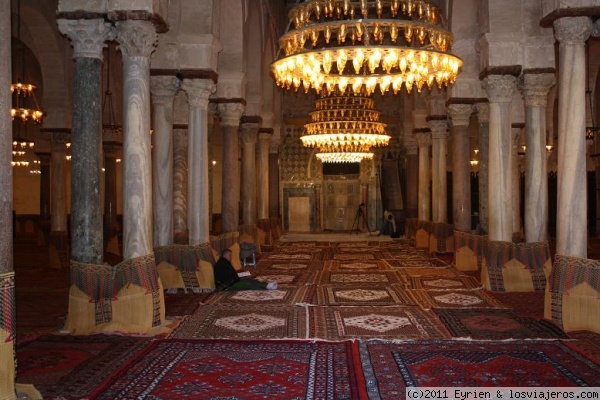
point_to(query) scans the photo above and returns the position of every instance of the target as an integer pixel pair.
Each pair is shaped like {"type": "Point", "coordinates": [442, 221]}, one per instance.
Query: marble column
{"type": "Point", "coordinates": [461, 174]}
{"type": "Point", "coordinates": [230, 114]}
{"type": "Point", "coordinates": [483, 120]}
{"type": "Point", "coordinates": [500, 89]}
{"type": "Point", "coordinates": [439, 201]}
{"type": "Point", "coordinates": [44, 159]}
{"type": "Point", "coordinates": [111, 153]}
{"type": "Point", "coordinates": [58, 203]}
{"type": "Point", "coordinates": [198, 91]}
{"type": "Point", "coordinates": [180, 181]}
{"type": "Point", "coordinates": [7, 277]}
{"type": "Point", "coordinates": [424, 142]}
{"type": "Point", "coordinates": [517, 130]}
{"type": "Point", "coordinates": [318, 208]}
{"type": "Point", "coordinates": [571, 219]}
{"type": "Point", "coordinates": [163, 90]}
{"type": "Point", "coordinates": [535, 88]}
{"type": "Point", "coordinates": [137, 41]}
{"type": "Point", "coordinates": [262, 177]}
{"type": "Point", "coordinates": [249, 136]}
{"type": "Point", "coordinates": [412, 180]}
{"type": "Point", "coordinates": [88, 38]}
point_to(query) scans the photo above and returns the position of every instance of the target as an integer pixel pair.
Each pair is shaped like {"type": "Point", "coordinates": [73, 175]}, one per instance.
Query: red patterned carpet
{"type": "Point", "coordinates": [170, 369]}
{"type": "Point", "coordinates": [274, 344]}
{"type": "Point", "coordinates": [390, 367]}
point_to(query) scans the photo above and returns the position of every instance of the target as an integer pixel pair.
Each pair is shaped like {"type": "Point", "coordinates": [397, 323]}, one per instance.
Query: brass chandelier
{"type": "Point", "coordinates": [339, 45]}
{"type": "Point", "coordinates": [344, 128]}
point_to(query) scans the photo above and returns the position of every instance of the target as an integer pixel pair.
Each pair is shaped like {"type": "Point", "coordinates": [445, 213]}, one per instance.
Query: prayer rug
{"type": "Point", "coordinates": [180, 303]}
{"type": "Point", "coordinates": [428, 299]}
{"type": "Point", "coordinates": [430, 271]}
{"type": "Point", "coordinates": [346, 277]}
{"type": "Point", "coordinates": [354, 257]}
{"type": "Point", "coordinates": [414, 263]}
{"type": "Point", "coordinates": [289, 257]}
{"type": "Point", "coordinates": [391, 367]}
{"type": "Point", "coordinates": [525, 304]}
{"type": "Point", "coordinates": [396, 322]}
{"type": "Point", "coordinates": [446, 283]}
{"type": "Point", "coordinates": [283, 296]}
{"type": "Point", "coordinates": [283, 265]}
{"type": "Point", "coordinates": [587, 343]}
{"type": "Point", "coordinates": [71, 367]}
{"type": "Point", "coordinates": [214, 369]}
{"type": "Point", "coordinates": [260, 321]}
{"type": "Point", "coordinates": [493, 324]}
{"type": "Point", "coordinates": [355, 265]}
{"type": "Point", "coordinates": [371, 294]}
{"type": "Point", "coordinates": [289, 277]}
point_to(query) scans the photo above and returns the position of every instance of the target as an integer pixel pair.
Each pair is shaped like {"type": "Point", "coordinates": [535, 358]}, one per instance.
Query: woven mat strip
{"type": "Point", "coordinates": [8, 313]}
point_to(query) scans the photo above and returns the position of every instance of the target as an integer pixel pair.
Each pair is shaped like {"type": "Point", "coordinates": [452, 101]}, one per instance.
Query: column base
{"type": "Point", "coordinates": [59, 249]}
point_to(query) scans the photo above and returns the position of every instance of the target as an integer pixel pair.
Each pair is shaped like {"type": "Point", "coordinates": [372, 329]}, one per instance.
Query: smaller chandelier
{"type": "Point", "coordinates": [25, 106]}
{"type": "Point", "coordinates": [344, 129]}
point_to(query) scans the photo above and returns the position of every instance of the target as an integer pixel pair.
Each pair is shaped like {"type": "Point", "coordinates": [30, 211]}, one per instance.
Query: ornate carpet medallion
{"type": "Point", "coordinates": [357, 277]}
{"type": "Point", "coordinates": [244, 321]}
{"type": "Point", "coordinates": [395, 322]}
{"type": "Point", "coordinates": [454, 299]}
{"type": "Point", "coordinates": [444, 283]}
{"type": "Point", "coordinates": [250, 323]}
{"type": "Point", "coordinates": [290, 295]}
{"type": "Point", "coordinates": [377, 322]}
{"type": "Point", "coordinates": [362, 294]}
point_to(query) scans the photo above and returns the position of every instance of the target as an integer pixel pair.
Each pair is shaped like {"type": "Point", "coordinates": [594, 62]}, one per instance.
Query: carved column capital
{"type": "Point", "coordinates": [249, 132]}
{"type": "Point", "coordinates": [231, 113]}
{"type": "Point", "coordinates": [136, 38]}
{"type": "Point", "coordinates": [483, 112]}
{"type": "Point", "coordinates": [411, 146]}
{"type": "Point", "coordinates": [500, 88]}
{"type": "Point", "coordinates": [572, 30]}
{"type": "Point", "coordinates": [423, 139]}
{"type": "Point", "coordinates": [439, 128]}
{"type": "Point", "coordinates": [264, 137]}
{"type": "Point", "coordinates": [535, 88]}
{"type": "Point", "coordinates": [112, 150]}
{"type": "Point", "coordinates": [88, 36]}
{"type": "Point", "coordinates": [198, 91]}
{"type": "Point", "coordinates": [163, 89]}
{"type": "Point", "coordinates": [460, 114]}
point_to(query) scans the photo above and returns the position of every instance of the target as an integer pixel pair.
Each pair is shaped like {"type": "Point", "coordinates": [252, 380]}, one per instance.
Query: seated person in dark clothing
{"type": "Point", "coordinates": [227, 279]}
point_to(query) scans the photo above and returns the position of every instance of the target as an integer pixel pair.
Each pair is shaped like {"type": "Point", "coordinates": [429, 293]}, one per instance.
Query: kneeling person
{"type": "Point", "coordinates": [227, 279]}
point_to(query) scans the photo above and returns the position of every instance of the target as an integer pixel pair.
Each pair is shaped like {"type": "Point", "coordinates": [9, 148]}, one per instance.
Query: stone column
{"type": "Point", "coordinates": [571, 219]}
{"type": "Point", "coordinates": [535, 88]}
{"type": "Point", "coordinates": [262, 177]}
{"type": "Point", "coordinates": [318, 208]}
{"type": "Point", "coordinates": [230, 114]}
{"type": "Point", "coordinates": [59, 237]}
{"type": "Point", "coordinates": [461, 174]}
{"type": "Point", "coordinates": [424, 141]}
{"type": "Point", "coordinates": [412, 180]}
{"type": "Point", "coordinates": [180, 180]}
{"type": "Point", "coordinates": [88, 38]}
{"type": "Point", "coordinates": [483, 119]}
{"type": "Point", "coordinates": [137, 41]}
{"type": "Point", "coordinates": [500, 89]}
{"type": "Point", "coordinates": [198, 91]}
{"type": "Point", "coordinates": [439, 201]}
{"type": "Point", "coordinates": [7, 278]}
{"type": "Point", "coordinates": [163, 90]}
{"type": "Point", "coordinates": [249, 135]}
{"type": "Point", "coordinates": [516, 179]}
{"type": "Point", "coordinates": [111, 153]}
{"type": "Point", "coordinates": [44, 185]}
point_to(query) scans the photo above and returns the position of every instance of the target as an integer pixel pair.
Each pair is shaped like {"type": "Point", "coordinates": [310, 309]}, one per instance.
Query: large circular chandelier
{"type": "Point", "coordinates": [339, 45]}
{"type": "Point", "coordinates": [344, 128]}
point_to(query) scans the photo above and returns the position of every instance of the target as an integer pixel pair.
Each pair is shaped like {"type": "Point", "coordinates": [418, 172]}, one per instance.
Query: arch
{"type": "Point", "coordinates": [253, 59]}
{"type": "Point", "coordinates": [42, 37]}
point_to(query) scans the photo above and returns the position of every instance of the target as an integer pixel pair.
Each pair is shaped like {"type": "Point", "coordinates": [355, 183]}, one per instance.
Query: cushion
{"type": "Point", "coordinates": [235, 256]}
{"type": "Point", "coordinates": [205, 275]}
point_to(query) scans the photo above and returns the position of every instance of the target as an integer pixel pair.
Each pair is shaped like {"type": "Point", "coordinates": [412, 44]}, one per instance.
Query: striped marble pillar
{"type": "Point", "coordinates": [424, 142]}
{"type": "Point", "coordinates": [461, 174]}
{"type": "Point", "coordinates": [571, 219]}
{"type": "Point", "coordinates": [137, 41]}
